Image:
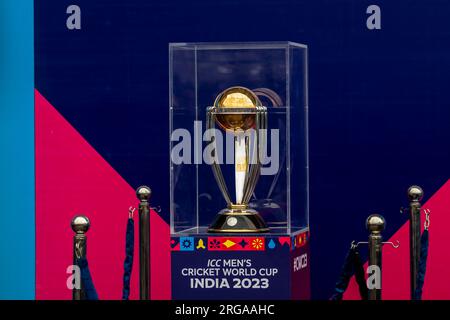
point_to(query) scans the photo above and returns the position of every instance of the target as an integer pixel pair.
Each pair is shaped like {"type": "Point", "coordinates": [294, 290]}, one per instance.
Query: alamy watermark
{"type": "Point", "coordinates": [220, 148]}
{"type": "Point", "coordinates": [74, 279]}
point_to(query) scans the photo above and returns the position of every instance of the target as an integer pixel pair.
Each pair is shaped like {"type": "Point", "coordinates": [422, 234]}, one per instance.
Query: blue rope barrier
{"type": "Point", "coordinates": [352, 266]}
{"type": "Point", "coordinates": [128, 264]}
{"type": "Point", "coordinates": [360, 277]}
{"type": "Point", "coordinates": [422, 265]}
{"type": "Point", "coordinates": [86, 280]}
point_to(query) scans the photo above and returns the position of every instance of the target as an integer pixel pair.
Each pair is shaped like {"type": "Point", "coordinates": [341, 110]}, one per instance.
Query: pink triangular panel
{"type": "Point", "coordinates": [395, 284]}
{"type": "Point", "coordinates": [72, 178]}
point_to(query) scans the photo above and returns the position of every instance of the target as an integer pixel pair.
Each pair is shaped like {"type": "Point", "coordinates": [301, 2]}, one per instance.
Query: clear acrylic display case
{"type": "Point", "coordinates": [277, 71]}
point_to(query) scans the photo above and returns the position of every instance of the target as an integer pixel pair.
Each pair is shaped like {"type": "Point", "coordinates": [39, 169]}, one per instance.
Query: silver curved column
{"type": "Point", "coordinates": [415, 194]}
{"type": "Point", "coordinates": [143, 193]}
{"type": "Point", "coordinates": [375, 224]}
{"type": "Point", "coordinates": [80, 225]}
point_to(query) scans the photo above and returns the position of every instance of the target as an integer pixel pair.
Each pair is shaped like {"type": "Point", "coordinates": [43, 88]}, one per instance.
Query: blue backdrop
{"type": "Point", "coordinates": [379, 100]}
{"type": "Point", "coordinates": [16, 150]}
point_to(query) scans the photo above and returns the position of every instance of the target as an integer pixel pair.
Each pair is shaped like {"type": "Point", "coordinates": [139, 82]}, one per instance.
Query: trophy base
{"type": "Point", "coordinates": [238, 221]}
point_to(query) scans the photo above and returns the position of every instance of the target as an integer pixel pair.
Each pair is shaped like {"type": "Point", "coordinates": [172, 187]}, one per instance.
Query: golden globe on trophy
{"type": "Point", "coordinates": [238, 111]}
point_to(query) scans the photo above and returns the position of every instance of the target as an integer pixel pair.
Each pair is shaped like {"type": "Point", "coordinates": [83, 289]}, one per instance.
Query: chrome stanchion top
{"type": "Point", "coordinates": [415, 193]}
{"type": "Point", "coordinates": [80, 224]}
{"type": "Point", "coordinates": [143, 193]}
{"type": "Point", "coordinates": [375, 223]}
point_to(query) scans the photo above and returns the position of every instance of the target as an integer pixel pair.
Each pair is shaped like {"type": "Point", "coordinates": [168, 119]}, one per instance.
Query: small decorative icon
{"type": "Point", "coordinates": [214, 244]}
{"type": "Point", "coordinates": [257, 243]}
{"type": "Point", "coordinates": [284, 240]}
{"type": "Point", "coordinates": [175, 244]}
{"type": "Point", "coordinates": [243, 243]}
{"type": "Point", "coordinates": [301, 240]}
{"type": "Point", "coordinates": [271, 244]}
{"type": "Point", "coordinates": [229, 243]}
{"type": "Point", "coordinates": [186, 244]}
{"type": "Point", "coordinates": [200, 244]}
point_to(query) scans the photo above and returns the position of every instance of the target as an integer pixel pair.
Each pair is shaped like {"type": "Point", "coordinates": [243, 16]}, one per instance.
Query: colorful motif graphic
{"type": "Point", "coordinates": [175, 244]}
{"type": "Point", "coordinates": [284, 241]}
{"type": "Point", "coordinates": [187, 244]}
{"type": "Point", "coordinates": [224, 243]}
{"type": "Point", "coordinates": [200, 244]}
{"type": "Point", "coordinates": [257, 244]}
{"type": "Point", "coordinates": [236, 244]}
{"type": "Point", "coordinates": [271, 244]}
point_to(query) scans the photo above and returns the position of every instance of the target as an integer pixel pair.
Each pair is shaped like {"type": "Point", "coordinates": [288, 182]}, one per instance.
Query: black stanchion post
{"type": "Point", "coordinates": [80, 225]}
{"type": "Point", "coordinates": [375, 224]}
{"type": "Point", "coordinates": [415, 194]}
{"type": "Point", "coordinates": [143, 193]}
